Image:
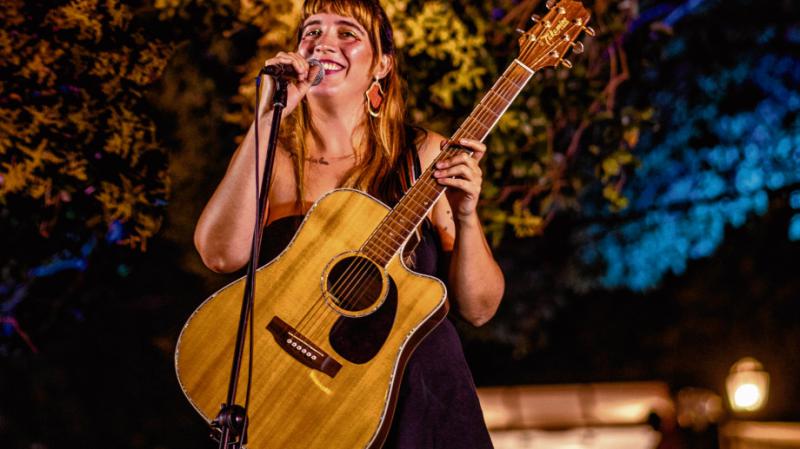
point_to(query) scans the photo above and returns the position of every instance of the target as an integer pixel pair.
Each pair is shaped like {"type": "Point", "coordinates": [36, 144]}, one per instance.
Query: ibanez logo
{"type": "Point", "coordinates": [553, 32]}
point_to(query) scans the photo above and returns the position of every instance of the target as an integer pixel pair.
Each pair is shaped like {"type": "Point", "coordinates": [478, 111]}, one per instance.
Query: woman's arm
{"type": "Point", "coordinates": [225, 228]}
{"type": "Point", "coordinates": [475, 280]}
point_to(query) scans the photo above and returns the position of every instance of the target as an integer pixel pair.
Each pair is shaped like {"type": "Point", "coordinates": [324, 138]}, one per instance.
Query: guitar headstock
{"type": "Point", "coordinates": [551, 37]}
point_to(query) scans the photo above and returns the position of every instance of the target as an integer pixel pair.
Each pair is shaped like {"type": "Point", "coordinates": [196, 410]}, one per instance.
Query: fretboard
{"type": "Point", "coordinates": [409, 212]}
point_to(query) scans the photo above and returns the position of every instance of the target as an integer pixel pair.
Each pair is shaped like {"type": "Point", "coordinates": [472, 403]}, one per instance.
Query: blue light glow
{"type": "Point", "coordinates": [684, 195]}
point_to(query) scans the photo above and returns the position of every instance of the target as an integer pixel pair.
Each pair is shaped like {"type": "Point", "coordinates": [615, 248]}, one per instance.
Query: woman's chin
{"type": "Point", "coordinates": [325, 91]}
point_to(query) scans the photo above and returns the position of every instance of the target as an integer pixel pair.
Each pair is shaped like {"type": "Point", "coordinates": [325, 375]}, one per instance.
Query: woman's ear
{"type": "Point", "coordinates": [384, 66]}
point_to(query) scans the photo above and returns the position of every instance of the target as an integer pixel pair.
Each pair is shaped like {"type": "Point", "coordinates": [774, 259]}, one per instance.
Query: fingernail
{"type": "Point", "coordinates": [440, 164]}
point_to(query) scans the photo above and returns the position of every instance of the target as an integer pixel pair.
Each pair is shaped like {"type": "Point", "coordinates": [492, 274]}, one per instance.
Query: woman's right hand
{"type": "Point", "coordinates": [297, 89]}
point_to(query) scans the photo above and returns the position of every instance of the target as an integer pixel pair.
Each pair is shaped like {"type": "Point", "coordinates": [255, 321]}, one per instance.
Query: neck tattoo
{"type": "Point", "coordinates": [322, 161]}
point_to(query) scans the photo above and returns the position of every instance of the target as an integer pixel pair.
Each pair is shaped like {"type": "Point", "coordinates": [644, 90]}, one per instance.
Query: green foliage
{"type": "Point", "coordinates": [76, 142]}
{"type": "Point", "coordinates": [80, 161]}
{"type": "Point", "coordinates": [567, 135]}
{"type": "Point", "coordinates": [85, 82]}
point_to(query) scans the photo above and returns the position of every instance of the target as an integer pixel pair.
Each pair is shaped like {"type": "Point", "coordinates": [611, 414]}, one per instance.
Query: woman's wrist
{"type": "Point", "coordinates": [470, 220]}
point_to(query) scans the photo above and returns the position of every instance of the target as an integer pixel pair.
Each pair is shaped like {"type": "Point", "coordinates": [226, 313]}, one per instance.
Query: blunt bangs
{"type": "Point", "coordinates": [368, 13]}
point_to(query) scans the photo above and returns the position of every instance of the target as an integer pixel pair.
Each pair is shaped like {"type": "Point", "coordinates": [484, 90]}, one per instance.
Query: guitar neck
{"type": "Point", "coordinates": [415, 204]}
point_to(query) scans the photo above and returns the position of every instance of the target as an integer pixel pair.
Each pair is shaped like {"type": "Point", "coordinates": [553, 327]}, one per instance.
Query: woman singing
{"type": "Point", "coordinates": [351, 131]}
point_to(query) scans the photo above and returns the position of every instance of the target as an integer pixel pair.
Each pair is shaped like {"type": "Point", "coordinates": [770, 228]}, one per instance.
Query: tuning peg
{"type": "Point", "coordinates": [577, 47]}
{"type": "Point", "coordinates": [561, 10]}
{"type": "Point", "coordinates": [520, 31]}
{"type": "Point", "coordinates": [560, 60]}
{"type": "Point", "coordinates": [550, 4]}
{"type": "Point", "coordinates": [587, 30]}
{"type": "Point", "coordinates": [536, 18]}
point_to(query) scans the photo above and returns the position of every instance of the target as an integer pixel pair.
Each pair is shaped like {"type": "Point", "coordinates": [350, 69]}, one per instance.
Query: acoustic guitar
{"type": "Point", "coordinates": [337, 313]}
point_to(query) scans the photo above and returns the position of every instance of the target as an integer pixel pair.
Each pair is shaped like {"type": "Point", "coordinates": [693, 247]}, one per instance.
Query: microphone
{"type": "Point", "coordinates": [287, 71]}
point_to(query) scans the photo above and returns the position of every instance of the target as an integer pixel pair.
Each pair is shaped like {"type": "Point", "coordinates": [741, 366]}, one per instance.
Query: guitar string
{"type": "Point", "coordinates": [346, 284]}
{"type": "Point", "coordinates": [489, 111]}
{"type": "Point", "coordinates": [360, 269]}
{"type": "Point", "coordinates": [479, 118]}
{"type": "Point", "coordinates": [350, 284]}
{"type": "Point", "coordinates": [383, 250]}
{"type": "Point", "coordinates": [425, 177]}
{"type": "Point", "coordinates": [273, 417]}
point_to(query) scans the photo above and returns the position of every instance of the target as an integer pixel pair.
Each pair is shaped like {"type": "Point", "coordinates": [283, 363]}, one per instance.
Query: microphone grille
{"type": "Point", "coordinates": [320, 71]}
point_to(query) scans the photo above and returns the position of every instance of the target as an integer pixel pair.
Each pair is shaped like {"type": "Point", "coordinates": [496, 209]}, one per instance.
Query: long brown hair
{"type": "Point", "coordinates": [382, 169]}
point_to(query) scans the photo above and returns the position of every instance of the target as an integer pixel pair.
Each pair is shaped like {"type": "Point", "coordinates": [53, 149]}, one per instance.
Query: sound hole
{"type": "Point", "coordinates": [355, 284]}
{"type": "Point", "coordinates": [358, 340]}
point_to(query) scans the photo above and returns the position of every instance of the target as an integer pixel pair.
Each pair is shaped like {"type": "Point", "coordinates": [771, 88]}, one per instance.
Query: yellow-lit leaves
{"type": "Point", "coordinates": [524, 222]}
{"type": "Point", "coordinates": [615, 198]}
{"type": "Point", "coordinates": [438, 33]}
{"type": "Point", "coordinates": [38, 62]}
{"type": "Point", "coordinates": [120, 200]}
{"type": "Point", "coordinates": [79, 15]}
{"type": "Point", "coordinates": [613, 165]}
{"type": "Point", "coordinates": [71, 122]}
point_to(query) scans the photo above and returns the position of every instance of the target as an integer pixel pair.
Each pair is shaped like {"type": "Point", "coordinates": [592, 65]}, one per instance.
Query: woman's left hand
{"type": "Point", "coordinates": [463, 177]}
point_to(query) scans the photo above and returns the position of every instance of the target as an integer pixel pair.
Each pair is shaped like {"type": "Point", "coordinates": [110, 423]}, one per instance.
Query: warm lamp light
{"type": "Point", "coordinates": [747, 385]}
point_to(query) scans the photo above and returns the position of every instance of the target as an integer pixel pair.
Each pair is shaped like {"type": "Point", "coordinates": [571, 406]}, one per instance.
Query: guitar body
{"type": "Point", "coordinates": [346, 402]}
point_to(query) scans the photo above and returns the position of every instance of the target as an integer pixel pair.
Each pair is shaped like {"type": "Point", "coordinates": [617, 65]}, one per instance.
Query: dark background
{"type": "Point", "coordinates": [99, 367]}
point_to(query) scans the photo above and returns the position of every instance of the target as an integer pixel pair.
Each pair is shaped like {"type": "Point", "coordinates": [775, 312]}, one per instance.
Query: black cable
{"type": "Point", "coordinates": [253, 267]}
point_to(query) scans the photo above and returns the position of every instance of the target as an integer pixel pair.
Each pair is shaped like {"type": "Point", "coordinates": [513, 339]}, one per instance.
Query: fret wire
{"type": "Point", "coordinates": [411, 221]}
{"type": "Point", "coordinates": [402, 205]}
{"type": "Point", "coordinates": [488, 99]}
{"type": "Point", "coordinates": [377, 256]}
{"type": "Point", "coordinates": [430, 191]}
{"type": "Point", "coordinates": [382, 245]}
{"type": "Point", "coordinates": [426, 188]}
{"type": "Point", "coordinates": [394, 222]}
{"type": "Point", "coordinates": [497, 94]}
{"type": "Point", "coordinates": [486, 107]}
{"type": "Point", "coordinates": [411, 199]}
{"type": "Point", "coordinates": [387, 235]}
{"type": "Point", "coordinates": [508, 77]}
{"type": "Point", "coordinates": [503, 76]}
{"type": "Point", "coordinates": [506, 107]}
{"type": "Point", "coordinates": [392, 243]}
{"type": "Point", "coordinates": [420, 217]}
{"type": "Point", "coordinates": [382, 257]}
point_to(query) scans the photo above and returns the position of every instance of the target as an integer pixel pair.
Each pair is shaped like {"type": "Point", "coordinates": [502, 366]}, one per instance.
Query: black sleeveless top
{"type": "Point", "coordinates": [437, 407]}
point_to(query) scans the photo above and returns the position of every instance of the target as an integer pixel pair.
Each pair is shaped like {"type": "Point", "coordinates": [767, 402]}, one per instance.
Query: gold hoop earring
{"type": "Point", "coordinates": [375, 98]}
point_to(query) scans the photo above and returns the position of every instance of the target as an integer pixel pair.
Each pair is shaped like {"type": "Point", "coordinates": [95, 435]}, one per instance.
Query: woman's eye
{"type": "Point", "coordinates": [311, 33]}
{"type": "Point", "coordinates": [348, 33]}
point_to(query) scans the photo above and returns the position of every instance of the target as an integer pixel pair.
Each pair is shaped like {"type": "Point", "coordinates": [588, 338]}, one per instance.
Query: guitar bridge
{"type": "Point", "coordinates": [299, 347]}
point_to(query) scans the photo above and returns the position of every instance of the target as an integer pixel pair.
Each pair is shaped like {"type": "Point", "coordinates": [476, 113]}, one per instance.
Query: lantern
{"type": "Point", "coordinates": [747, 385]}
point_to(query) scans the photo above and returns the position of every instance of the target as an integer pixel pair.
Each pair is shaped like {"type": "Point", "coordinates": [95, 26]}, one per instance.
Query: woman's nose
{"type": "Point", "coordinates": [325, 43]}
{"type": "Point", "coordinates": [322, 49]}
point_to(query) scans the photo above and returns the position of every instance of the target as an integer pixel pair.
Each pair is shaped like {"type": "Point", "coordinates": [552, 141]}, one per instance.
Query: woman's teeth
{"type": "Point", "coordinates": [330, 67]}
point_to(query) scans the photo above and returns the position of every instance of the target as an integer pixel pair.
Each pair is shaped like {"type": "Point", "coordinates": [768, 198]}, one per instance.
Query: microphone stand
{"type": "Point", "coordinates": [231, 422]}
